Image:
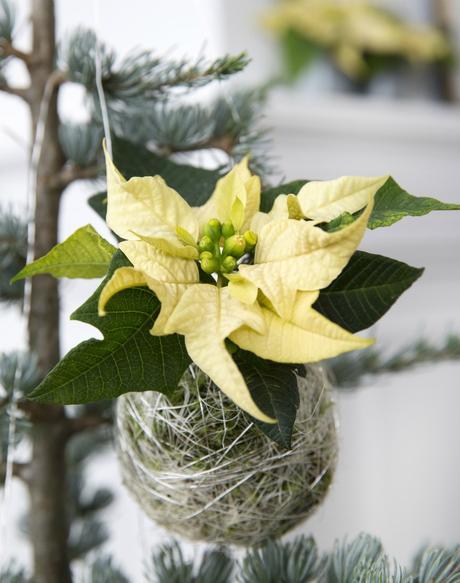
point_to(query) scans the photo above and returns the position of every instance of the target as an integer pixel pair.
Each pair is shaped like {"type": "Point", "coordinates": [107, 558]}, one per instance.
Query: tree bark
{"type": "Point", "coordinates": [47, 486]}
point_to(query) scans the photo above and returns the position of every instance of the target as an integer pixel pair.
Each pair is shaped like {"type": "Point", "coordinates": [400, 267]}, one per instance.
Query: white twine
{"type": "Point", "coordinates": [99, 82]}
{"type": "Point", "coordinates": [225, 483]}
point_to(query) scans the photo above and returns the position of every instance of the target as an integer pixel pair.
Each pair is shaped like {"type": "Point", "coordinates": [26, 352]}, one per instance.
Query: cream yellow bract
{"type": "Point", "coordinates": [227, 271]}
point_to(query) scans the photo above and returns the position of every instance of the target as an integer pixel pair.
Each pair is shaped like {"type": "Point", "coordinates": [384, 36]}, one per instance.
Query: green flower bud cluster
{"type": "Point", "coordinates": [221, 246]}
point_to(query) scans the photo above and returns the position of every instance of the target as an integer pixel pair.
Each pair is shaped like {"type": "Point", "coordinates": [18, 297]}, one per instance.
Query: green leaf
{"type": "Point", "coordinates": [273, 386]}
{"type": "Point", "coordinates": [392, 204]}
{"type": "Point", "coordinates": [128, 359]}
{"type": "Point", "coordinates": [98, 202]}
{"type": "Point", "coordinates": [298, 53]}
{"type": "Point", "coordinates": [339, 222]}
{"type": "Point", "coordinates": [194, 184]}
{"type": "Point", "coordinates": [268, 196]}
{"type": "Point", "coordinates": [365, 290]}
{"type": "Point", "coordinates": [84, 254]}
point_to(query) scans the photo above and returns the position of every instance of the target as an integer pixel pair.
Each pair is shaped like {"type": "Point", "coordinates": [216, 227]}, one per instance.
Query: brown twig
{"type": "Point", "coordinates": [226, 143]}
{"type": "Point", "coordinates": [71, 172]}
{"type": "Point", "coordinates": [9, 50]}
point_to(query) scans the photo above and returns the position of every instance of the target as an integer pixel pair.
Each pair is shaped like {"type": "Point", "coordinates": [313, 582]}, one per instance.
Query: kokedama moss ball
{"type": "Point", "coordinates": [200, 468]}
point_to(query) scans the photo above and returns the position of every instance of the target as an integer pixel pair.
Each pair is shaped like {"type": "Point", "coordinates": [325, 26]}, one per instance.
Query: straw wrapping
{"type": "Point", "coordinates": [200, 468]}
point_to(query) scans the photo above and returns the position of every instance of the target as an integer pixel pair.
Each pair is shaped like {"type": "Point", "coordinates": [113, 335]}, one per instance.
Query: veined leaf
{"type": "Point", "coordinates": [392, 204]}
{"type": "Point", "coordinates": [273, 386]}
{"type": "Point", "coordinates": [128, 359]}
{"type": "Point", "coordinates": [84, 254]}
{"type": "Point", "coordinates": [194, 184]}
{"type": "Point", "coordinates": [365, 290]}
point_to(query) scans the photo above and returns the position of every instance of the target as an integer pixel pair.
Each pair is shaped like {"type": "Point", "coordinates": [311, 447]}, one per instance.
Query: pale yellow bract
{"type": "Point", "coordinates": [266, 307]}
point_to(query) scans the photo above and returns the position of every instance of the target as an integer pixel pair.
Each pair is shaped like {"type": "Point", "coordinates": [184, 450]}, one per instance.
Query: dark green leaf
{"type": "Point", "coordinates": [298, 53]}
{"type": "Point", "coordinates": [128, 359]}
{"type": "Point", "coordinates": [392, 204]}
{"type": "Point", "coordinates": [273, 386]}
{"type": "Point", "coordinates": [268, 196]}
{"type": "Point", "coordinates": [365, 290]}
{"type": "Point", "coordinates": [194, 184]}
{"type": "Point", "coordinates": [98, 202]}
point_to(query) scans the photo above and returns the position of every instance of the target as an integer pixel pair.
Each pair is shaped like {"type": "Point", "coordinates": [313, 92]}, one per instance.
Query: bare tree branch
{"type": "Point", "coordinates": [226, 143]}
{"type": "Point", "coordinates": [70, 173]}
{"type": "Point", "coordinates": [8, 50]}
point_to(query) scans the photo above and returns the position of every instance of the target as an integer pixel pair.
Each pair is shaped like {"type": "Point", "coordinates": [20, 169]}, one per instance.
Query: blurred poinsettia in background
{"type": "Point", "coordinates": [361, 38]}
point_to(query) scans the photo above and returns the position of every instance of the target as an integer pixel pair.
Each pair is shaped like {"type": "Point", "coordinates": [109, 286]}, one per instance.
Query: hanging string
{"type": "Point", "coordinates": [108, 143]}
{"type": "Point", "coordinates": [99, 82]}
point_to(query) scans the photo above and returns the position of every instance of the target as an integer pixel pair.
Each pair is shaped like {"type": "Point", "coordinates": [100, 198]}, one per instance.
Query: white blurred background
{"type": "Point", "coordinates": [399, 471]}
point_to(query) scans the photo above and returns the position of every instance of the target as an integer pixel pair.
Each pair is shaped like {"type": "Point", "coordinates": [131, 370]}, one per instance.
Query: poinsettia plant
{"type": "Point", "coordinates": [247, 283]}
{"type": "Point", "coordinates": [360, 37]}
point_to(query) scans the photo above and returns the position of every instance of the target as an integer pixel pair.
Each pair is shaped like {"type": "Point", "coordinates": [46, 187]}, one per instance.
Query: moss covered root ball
{"type": "Point", "coordinates": [200, 468]}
